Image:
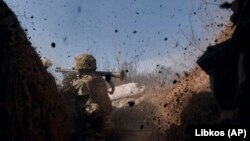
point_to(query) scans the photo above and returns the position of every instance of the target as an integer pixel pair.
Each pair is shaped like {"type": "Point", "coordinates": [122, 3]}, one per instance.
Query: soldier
{"type": "Point", "coordinates": [240, 42]}
{"type": "Point", "coordinates": [228, 63]}
{"type": "Point", "coordinates": [92, 102]}
{"type": "Point", "coordinates": [241, 19]}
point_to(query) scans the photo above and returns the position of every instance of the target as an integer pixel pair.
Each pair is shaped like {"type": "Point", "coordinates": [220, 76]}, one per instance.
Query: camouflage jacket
{"type": "Point", "coordinates": [93, 87]}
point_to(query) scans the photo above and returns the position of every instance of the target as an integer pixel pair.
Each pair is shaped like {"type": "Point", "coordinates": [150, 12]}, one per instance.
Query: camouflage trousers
{"type": "Point", "coordinates": [98, 129]}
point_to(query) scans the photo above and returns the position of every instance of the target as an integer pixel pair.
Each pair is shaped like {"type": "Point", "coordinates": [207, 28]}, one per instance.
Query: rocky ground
{"type": "Point", "coordinates": [166, 113]}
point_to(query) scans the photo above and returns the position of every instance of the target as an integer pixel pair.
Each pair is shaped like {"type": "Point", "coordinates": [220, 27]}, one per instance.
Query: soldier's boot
{"type": "Point", "coordinates": [95, 136]}
{"type": "Point", "coordinates": [107, 126]}
{"type": "Point", "coordinates": [103, 132]}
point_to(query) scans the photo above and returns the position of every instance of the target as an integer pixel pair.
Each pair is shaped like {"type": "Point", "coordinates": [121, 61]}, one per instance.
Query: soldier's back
{"type": "Point", "coordinates": [94, 85]}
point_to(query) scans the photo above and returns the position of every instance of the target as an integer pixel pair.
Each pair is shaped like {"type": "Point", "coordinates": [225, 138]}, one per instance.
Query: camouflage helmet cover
{"type": "Point", "coordinates": [85, 61]}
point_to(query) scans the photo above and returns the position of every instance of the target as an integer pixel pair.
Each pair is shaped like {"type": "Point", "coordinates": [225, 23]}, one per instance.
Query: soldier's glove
{"type": "Point", "coordinates": [108, 77]}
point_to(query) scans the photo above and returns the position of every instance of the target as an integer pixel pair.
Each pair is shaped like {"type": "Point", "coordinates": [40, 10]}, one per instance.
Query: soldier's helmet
{"type": "Point", "coordinates": [85, 61]}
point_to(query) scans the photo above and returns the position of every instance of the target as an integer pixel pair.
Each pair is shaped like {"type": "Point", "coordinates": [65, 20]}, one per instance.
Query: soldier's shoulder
{"type": "Point", "coordinates": [97, 78]}
{"type": "Point", "coordinates": [86, 79]}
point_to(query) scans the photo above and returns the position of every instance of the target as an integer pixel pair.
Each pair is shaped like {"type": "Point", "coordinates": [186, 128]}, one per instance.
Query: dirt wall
{"type": "Point", "coordinates": [31, 108]}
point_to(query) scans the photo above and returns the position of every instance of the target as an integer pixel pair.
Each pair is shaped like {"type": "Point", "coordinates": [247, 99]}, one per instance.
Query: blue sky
{"type": "Point", "coordinates": [148, 32]}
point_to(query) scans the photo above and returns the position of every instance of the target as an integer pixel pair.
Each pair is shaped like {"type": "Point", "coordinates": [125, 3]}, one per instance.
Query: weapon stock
{"type": "Point", "coordinates": [120, 75]}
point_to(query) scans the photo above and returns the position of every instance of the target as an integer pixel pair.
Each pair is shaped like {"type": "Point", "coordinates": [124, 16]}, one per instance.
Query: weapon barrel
{"type": "Point", "coordinates": [120, 75]}
{"type": "Point", "coordinates": [59, 69]}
